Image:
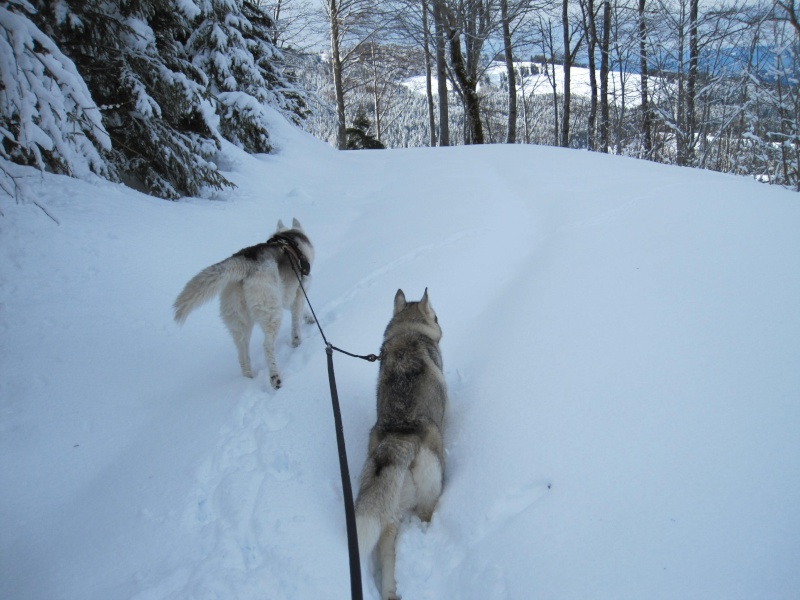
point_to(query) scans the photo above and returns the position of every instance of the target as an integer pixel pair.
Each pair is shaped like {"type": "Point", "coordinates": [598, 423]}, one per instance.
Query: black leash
{"type": "Point", "coordinates": [347, 492]}
{"type": "Point", "coordinates": [328, 345]}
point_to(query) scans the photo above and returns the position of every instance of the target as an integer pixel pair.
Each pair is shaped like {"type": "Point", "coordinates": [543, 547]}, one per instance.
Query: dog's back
{"type": "Point", "coordinates": [404, 470]}
{"type": "Point", "coordinates": [411, 387]}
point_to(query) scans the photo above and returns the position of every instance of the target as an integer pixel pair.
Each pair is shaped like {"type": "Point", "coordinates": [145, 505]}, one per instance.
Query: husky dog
{"type": "Point", "coordinates": [255, 285]}
{"type": "Point", "coordinates": [404, 470]}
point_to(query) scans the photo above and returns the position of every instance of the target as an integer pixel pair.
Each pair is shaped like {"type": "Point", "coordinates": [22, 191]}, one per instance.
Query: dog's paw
{"type": "Point", "coordinates": [275, 380]}
{"type": "Point", "coordinates": [295, 341]}
{"type": "Point", "coordinates": [308, 318]}
{"type": "Point", "coordinates": [248, 373]}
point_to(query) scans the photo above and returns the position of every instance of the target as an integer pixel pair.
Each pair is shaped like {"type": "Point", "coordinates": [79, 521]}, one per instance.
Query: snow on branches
{"type": "Point", "coordinates": [172, 78]}
{"type": "Point", "coordinates": [47, 115]}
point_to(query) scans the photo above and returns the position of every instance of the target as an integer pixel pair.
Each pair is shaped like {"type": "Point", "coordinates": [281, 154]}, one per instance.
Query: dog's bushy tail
{"type": "Point", "coordinates": [378, 502]}
{"type": "Point", "coordinates": [208, 283]}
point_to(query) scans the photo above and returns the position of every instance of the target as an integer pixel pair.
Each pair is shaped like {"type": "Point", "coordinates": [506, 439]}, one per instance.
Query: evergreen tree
{"type": "Point", "coordinates": [156, 106]}
{"type": "Point", "coordinates": [140, 91]}
{"type": "Point", "coordinates": [47, 115]}
{"type": "Point", "coordinates": [358, 136]}
{"type": "Point", "coordinates": [232, 46]}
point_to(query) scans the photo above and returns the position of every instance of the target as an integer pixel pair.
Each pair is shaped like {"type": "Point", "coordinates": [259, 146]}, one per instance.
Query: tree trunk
{"type": "Point", "coordinates": [336, 65]}
{"type": "Point", "coordinates": [554, 85]}
{"type": "Point", "coordinates": [511, 136]}
{"type": "Point", "coordinates": [428, 74]}
{"type": "Point", "coordinates": [525, 115]}
{"type": "Point", "coordinates": [441, 73]}
{"type": "Point", "coordinates": [691, 83]}
{"type": "Point", "coordinates": [592, 35]}
{"type": "Point", "coordinates": [567, 75]}
{"type": "Point", "coordinates": [376, 91]}
{"type": "Point", "coordinates": [680, 117]}
{"type": "Point", "coordinates": [604, 46]}
{"type": "Point", "coordinates": [276, 15]}
{"type": "Point", "coordinates": [469, 87]}
{"type": "Point", "coordinates": [647, 134]}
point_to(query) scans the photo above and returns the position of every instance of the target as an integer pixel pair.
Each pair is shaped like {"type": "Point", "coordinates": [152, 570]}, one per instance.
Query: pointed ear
{"type": "Point", "coordinates": [425, 303]}
{"type": "Point", "coordinates": [425, 297]}
{"type": "Point", "coordinates": [281, 226]}
{"type": "Point", "coordinates": [296, 224]}
{"type": "Point", "coordinates": [399, 301]}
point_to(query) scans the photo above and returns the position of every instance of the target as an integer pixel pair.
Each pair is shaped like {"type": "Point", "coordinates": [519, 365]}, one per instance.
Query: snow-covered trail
{"type": "Point", "coordinates": [620, 344]}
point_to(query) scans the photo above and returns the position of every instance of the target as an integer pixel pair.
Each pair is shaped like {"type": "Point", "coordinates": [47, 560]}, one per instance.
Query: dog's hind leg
{"type": "Point", "coordinates": [386, 560]}
{"type": "Point", "coordinates": [239, 322]}
{"type": "Point", "coordinates": [426, 472]}
{"type": "Point", "coordinates": [270, 323]}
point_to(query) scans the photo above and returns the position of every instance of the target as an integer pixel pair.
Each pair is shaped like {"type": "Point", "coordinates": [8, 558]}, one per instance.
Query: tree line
{"type": "Point", "coordinates": [147, 91]}
{"type": "Point", "coordinates": [710, 85]}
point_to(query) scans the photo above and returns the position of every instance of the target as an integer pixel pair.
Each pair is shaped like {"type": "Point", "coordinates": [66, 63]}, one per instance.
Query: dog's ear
{"type": "Point", "coordinates": [425, 304]}
{"type": "Point", "coordinates": [296, 224]}
{"type": "Point", "coordinates": [281, 227]}
{"type": "Point", "coordinates": [399, 301]}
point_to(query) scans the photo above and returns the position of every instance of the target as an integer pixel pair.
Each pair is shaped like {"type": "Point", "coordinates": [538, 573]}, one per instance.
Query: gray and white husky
{"type": "Point", "coordinates": [404, 470]}
{"type": "Point", "coordinates": [254, 286]}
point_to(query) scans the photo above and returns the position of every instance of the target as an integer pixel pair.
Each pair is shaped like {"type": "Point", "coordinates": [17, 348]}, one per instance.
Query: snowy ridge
{"type": "Point", "coordinates": [620, 346]}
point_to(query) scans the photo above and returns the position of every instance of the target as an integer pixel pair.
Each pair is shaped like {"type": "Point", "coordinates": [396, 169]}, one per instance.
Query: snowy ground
{"type": "Point", "coordinates": [621, 343]}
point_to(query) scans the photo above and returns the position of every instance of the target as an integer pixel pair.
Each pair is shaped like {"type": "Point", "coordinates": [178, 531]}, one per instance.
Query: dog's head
{"type": "Point", "coordinates": [298, 236]}
{"type": "Point", "coordinates": [416, 313]}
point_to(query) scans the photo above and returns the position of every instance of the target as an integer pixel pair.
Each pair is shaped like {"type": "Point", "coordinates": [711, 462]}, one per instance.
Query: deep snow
{"type": "Point", "coordinates": [621, 343]}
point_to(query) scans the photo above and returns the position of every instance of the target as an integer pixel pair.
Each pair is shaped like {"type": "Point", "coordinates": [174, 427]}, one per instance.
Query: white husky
{"type": "Point", "coordinates": [404, 471]}
{"type": "Point", "coordinates": [255, 285]}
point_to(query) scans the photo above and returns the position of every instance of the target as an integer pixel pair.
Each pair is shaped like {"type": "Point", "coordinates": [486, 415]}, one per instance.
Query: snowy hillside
{"type": "Point", "coordinates": [622, 87]}
{"type": "Point", "coordinates": [621, 344]}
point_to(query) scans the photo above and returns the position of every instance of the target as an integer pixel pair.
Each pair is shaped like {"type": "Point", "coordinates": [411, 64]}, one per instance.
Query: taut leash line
{"type": "Point", "coordinates": [347, 491]}
{"type": "Point", "coordinates": [367, 357]}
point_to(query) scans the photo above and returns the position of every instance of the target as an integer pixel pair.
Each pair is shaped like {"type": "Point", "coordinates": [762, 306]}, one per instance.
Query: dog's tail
{"type": "Point", "coordinates": [378, 502]}
{"type": "Point", "coordinates": [208, 283]}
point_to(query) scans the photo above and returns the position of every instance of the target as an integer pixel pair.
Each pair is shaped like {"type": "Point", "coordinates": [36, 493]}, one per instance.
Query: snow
{"type": "Point", "coordinates": [621, 87]}
{"type": "Point", "coordinates": [621, 344]}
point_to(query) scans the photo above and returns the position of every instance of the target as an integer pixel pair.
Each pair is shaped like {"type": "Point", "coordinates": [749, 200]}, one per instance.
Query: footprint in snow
{"type": "Point", "coordinates": [280, 468]}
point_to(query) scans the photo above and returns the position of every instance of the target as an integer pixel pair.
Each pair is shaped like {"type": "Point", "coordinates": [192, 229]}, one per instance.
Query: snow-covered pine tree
{"type": "Point", "coordinates": [47, 115]}
{"type": "Point", "coordinates": [232, 45]}
{"type": "Point", "coordinates": [156, 105]}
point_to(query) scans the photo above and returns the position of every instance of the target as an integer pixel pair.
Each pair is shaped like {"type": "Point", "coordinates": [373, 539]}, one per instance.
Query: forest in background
{"type": "Point", "coordinates": [144, 91]}
{"type": "Point", "coordinates": [702, 84]}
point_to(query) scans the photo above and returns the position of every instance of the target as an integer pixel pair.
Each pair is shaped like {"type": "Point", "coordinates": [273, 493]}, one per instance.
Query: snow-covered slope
{"type": "Point", "coordinates": [623, 87]}
{"type": "Point", "coordinates": [621, 343]}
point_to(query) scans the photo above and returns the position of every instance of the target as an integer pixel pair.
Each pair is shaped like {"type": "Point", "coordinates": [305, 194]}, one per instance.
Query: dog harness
{"type": "Point", "coordinates": [287, 244]}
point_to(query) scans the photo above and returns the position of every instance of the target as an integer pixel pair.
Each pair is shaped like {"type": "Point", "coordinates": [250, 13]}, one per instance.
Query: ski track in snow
{"type": "Point", "coordinates": [410, 257]}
